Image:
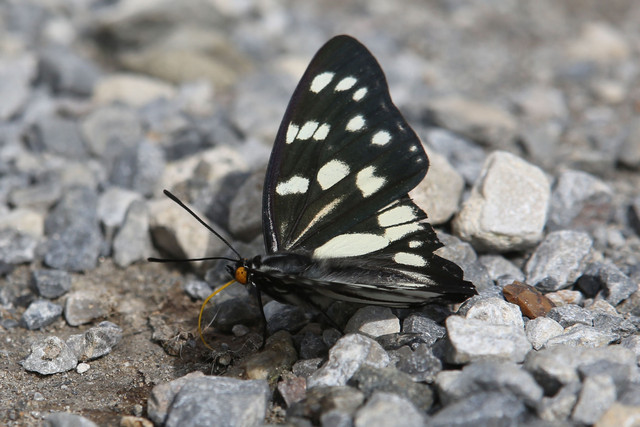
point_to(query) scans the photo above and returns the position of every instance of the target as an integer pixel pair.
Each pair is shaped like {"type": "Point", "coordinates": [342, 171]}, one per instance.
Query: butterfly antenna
{"type": "Point", "coordinates": [207, 226]}
{"type": "Point", "coordinates": [153, 259]}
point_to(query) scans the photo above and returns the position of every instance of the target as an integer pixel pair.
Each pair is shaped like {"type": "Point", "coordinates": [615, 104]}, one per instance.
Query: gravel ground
{"type": "Point", "coordinates": [529, 112]}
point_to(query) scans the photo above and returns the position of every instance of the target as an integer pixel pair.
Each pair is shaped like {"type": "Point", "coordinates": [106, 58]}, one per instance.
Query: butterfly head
{"type": "Point", "coordinates": [241, 270]}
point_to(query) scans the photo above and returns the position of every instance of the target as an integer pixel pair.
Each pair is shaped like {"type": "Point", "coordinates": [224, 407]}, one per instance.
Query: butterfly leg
{"type": "Point", "coordinates": [264, 318]}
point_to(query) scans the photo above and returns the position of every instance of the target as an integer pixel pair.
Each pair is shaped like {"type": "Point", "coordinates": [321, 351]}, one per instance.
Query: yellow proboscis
{"type": "Point", "coordinates": [202, 311]}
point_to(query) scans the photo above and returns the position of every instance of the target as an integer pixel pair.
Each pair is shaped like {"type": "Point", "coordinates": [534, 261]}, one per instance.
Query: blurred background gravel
{"type": "Point", "coordinates": [530, 113]}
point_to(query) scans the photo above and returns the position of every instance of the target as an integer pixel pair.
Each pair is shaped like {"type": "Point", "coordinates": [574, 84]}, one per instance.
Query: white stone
{"type": "Point", "coordinates": [507, 209]}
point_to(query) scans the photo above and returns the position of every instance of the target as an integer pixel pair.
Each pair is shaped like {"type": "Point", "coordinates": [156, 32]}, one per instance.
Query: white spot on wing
{"type": "Point", "coordinates": [346, 84]}
{"type": "Point", "coordinates": [399, 231]}
{"type": "Point", "coordinates": [292, 131]}
{"type": "Point", "coordinates": [367, 182]}
{"type": "Point", "coordinates": [397, 215]}
{"type": "Point", "coordinates": [381, 138]}
{"type": "Point", "coordinates": [331, 173]}
{"type": "Point", "coordinates": [294, 185]}
{"type": "Point", "coordinates": [355, 123]}
{"type": "Point", "coordinates": [307, 130]}
{"type": "Point", "coordinates": [415, 244]}
{"type": "Point", "coordinates": [359, 94]}
{"type": "Point", "coordinates": [320, 81]}
{"type": "Point", "coordinates": [409, 259]}
{"type": "Point", "coordinates": [322, 132]}
{"type": "Point", "coordinates": [348, 245]}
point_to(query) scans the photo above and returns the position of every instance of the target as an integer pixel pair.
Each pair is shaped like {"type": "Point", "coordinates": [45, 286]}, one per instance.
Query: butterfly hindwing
{"type": "Point", "coordinates": [343, 151]}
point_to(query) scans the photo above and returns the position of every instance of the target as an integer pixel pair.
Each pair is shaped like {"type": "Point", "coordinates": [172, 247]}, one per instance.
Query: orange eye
{"type": "Point", "coordinates": [241, 275]}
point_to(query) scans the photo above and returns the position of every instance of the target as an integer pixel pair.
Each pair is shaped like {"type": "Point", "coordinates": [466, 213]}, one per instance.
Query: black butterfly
{"type": "Point", "coordinates": [337, 219]}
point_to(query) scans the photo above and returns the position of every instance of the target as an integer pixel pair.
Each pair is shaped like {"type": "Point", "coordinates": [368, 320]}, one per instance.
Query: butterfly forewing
{"type": "Point", "coordinates": [337, 218]}
{"type": "Point", "coordinates": [343, 153]}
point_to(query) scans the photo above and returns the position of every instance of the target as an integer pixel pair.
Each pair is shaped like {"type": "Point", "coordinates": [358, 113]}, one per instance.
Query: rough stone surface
{"type": "Point", "coordinates": [508, 205]}
{"type": "Point", "coordinates": [229, 401]}
{"type": "Point", "coordinates": [51, 283]}
{"type": "Point", "coordinates": [373, 321]}
{"type": "Point", "coordinates": [41, 313]}
{"type": "Point", "coordinates": [579, 201]}
{"type": "Point", "coordinates": [597, 395]}
{"type": "Point", "coordinates": [440, 192]}
{"type": "Point", "coordinates": [492, 408]}
{"type": "Point", "coordinates": [346, 356]}
{"type": "Point", "coordinates": [473, 339]}
{"type": "Point", "coordinates": [486, 376]}
{"type": "Point", "coordinates": [384, 409]}
{"type": "Point", "coordinates": [541, 330]}
{"type": "Point", "coordinates": [132, 242]}
{"type": "Point", "coordinates": [50, 356]}
{"type": "Point", "coordinates": [559, 260]}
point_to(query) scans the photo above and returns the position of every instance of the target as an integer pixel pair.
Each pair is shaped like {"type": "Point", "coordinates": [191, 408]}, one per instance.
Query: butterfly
{"type": "Point", "coordinates": [338, 222]}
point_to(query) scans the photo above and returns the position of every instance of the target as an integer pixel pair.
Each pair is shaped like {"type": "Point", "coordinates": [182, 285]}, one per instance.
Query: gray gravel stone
{"type": "Point", "coordinates": [16, 247]}
{"type": "Point", "coordinates": [420, 364]}
{"type": "Point", "coordinates": [559, 260]}
{"type": "Point", "coordinates": [429, 330]}
{"type": "Point", "coordinates": [370, 380]}
{"type": "Point", "coordinates": [179, 234]}
{"type": "Point", "coordinates": [111, 129]}
{"type": "Point", "coordinates": [15, 78]}
{"type": "Point", "coordinates": [465, 157]}
{"type": "Point", "coordinates": [162, 395]}
{"type": "Point", "coordinates": [617, 285]}
{"type": "Point", "coordinates": [58, 136]}
{"type": "Point", "coordinates": [440, 192]}
{"type": "Point", "coordinates": [84, 306]}
{"type": "Point", "coordinates": [473, 339]}
{"type": "Point", "coordinates": [571, 314]}
{"type": "Point", "coordinates": [597, 395]}
{"type": "Point", "coordinates": [488, 376]}
{"type": "Point", "coordinates": [348, 354]}
{"type": "Point", "coordinates": [580, 335]}
{"type": "Point", "coordinates": [41, 313]}
{"type": "Point", "coordinates": [132, 242]}
{"type": "Point", "coordinates": [284, 317]}
{"type": "Point", "coordinates": [463, 254]}
{"type": "Point", "coordinates": [483, 123]}
{"type": "Point", "coordinates": [373, 321]}
{"type": "Point", "coordinates": [228, 401]}
{"type": "Point", "coordinates": [542, 329]}
{"type": "Point", "coordinates": [197, 289]}
{"type": "Point", "coordinates": [65, 419]}
{"type": "Point", "coordinates": [579, 201]}
{"type": "Point", "coordinates": [95, 342]}
{"type": "Point", "coordinates": [112, 207]}
{"type": "Point", "coordinates": [507, 208]}
{"type": "Point", "coordinates": [40, 195]}
{"type": "Point", "coordinates": [557, 366]}
{"type": "Point", "coordinates": [50, 356]}
{"type": "Point", "coordinates": [385, 409]}
{"type": "Point", "coordinates": [51, 283]}
{"type": "Point", "coordinates": [632, 343]}
{"type": "Point", "coordinates": [559, 406]}
{"type": "Point", "coordinates": [490, 409]}
{"type": "Point", "coordinates": [66, 72]}
{"type": "Point", "coordinates": [322, 400]}
{"type": "Point", "coordinates": [139, 168]}
{"type": "Point", "coordinates": [245, 221]}
{"type": "Point", "coordinates": [498, 266]}
{"type": "Point", "coordinates": [492, 310]}
{"type": "Point", "coordinates": [74, 236]}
